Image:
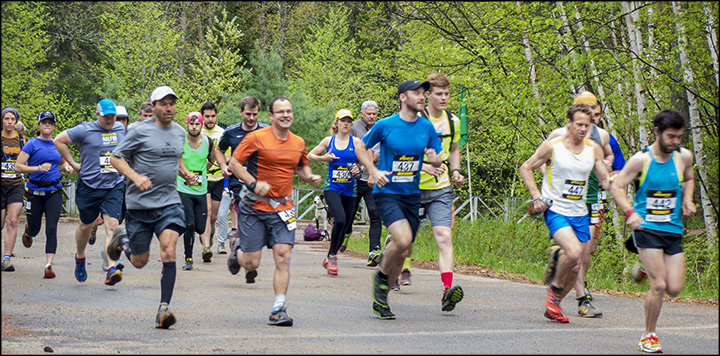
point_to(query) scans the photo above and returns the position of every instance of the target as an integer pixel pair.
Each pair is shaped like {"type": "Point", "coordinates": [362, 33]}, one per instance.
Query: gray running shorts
{"type": "Point", "coordinates": [438, 204]}
{"type": "Point", "coordinates": [260, 228]}
{"type": "Point", "coordinates": [141, 224]}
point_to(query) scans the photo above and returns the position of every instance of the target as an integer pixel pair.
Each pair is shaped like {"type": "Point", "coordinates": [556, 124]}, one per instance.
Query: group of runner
{"type": "Point", "coordinates": [154, 179]}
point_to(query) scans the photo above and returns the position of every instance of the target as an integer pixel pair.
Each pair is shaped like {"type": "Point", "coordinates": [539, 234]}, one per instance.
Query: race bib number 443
{"type": "Point", "coordinates": [404, 168]}
{"type": "Point", "coordinates": [660, 205]}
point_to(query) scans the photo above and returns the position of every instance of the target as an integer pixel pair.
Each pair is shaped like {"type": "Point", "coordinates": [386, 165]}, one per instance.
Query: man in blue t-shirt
{"type": "Point", "coordinates": [233, 135]}
{"type": "Point", "coordinates": [403, 140]}
{"type": "Point", "coordinates": [100, 188]}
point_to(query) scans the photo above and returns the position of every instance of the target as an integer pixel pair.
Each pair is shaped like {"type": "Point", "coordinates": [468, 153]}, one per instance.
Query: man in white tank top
{"type": "Point", "coordinates": [569, 159]}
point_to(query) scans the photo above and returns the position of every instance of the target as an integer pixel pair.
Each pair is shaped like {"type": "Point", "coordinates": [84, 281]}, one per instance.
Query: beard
{"type": "Point", "coordinates": [664, 148]}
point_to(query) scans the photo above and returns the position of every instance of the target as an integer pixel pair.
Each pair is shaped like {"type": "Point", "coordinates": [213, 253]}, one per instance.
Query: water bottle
{"type": "Point", "coordinates": [548, 202]}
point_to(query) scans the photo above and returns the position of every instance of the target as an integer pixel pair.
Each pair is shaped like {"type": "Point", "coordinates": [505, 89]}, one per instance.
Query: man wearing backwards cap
{"type": "Point", "coordinates": [153, 203]}
{"type": "Point", "coordinates": [192, 182]}
{"type": "Point", "coordinates": [602, 137]}
{"type": "Point", "coordinates": [13, 185]}
{"type": "Point", "coordinates": [403, 140]}
{"type": "Point", "coordinates": [100, 188]}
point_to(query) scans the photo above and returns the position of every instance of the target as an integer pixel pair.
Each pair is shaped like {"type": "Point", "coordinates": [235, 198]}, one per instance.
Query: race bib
{"type": "Point", "coordinates": [341, 174]}
{"type": "Point", "coordinates": [8, 170]}
{"type": "Point", "coordinates": [109, 139]}
{"type": "Point", "coordinates": [573, 189]}
{"type": "Point", "coordinates": [404, 168]}
{"type": "Point", "coordinates": [602, 195]}
{"type": "Point", "coordinates": [198, 178]}
{"type": "Point", "coordinates": [660, 205]}
{"type": "Point", "coordinates": [105, 166]}
{"type": "Point", "coordinates": [288, 217]}
{"type": "Point", "coordinates": [595, 213]}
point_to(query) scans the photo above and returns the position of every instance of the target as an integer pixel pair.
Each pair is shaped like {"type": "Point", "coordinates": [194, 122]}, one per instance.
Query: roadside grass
{"type": "Point", "coordinates": [508, 246]}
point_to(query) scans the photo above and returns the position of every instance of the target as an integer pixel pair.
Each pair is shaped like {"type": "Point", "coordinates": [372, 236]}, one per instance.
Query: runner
{"type": "Point", "coordinates": [100, 188]}
{"type": "Point", "coordinates": [339, 189]}
{"type": "Point", "coordinates": [41, 160]}
{"type": "Point", "coordinates": [665, 173]}
{"type": "Point", "coordinates": [403, 140]}
{"type": "Point", "coordinates": [266, 216]}
{"type": "Point", "coordinates": [436, 185]}
{"type": "Point", "coordinates": [215, 178]}
{"type": "Point", "coordinates": [569, 159]}
{"type": "Point", "coordinates": [12, 184]}
{"type": "Point", "coordinates": [153, 203]}
{"type": "Point", "coordinates": [192, 182]}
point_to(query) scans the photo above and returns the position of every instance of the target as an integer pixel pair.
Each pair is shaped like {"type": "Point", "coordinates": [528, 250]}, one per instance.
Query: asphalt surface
{"type": "Point", "coordinates": [219, 313]}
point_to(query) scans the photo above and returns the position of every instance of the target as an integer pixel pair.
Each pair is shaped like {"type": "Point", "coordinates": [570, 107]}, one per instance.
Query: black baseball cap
{"type": "Point", "coordinates": [412, 85]}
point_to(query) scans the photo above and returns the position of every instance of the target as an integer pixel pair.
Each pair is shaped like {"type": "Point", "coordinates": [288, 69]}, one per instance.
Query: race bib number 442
{"type": "Point", "coordinates": [660, 205]}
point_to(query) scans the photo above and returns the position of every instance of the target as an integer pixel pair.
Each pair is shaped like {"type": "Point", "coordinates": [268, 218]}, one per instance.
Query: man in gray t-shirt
{"type": "Point", "coordinates": [100, 188]}
{"type": "Point", "coordinates": [152, 200]}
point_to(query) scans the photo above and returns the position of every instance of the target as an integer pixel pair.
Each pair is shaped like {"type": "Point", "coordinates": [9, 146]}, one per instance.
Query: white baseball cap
{"type": "Point", "coordinates": [121, 111]}
{"type": "Point", "coordinates": [161, 92]}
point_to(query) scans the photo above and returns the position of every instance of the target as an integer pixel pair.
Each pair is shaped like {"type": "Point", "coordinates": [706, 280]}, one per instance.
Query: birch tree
{"type": "Point", "coordinates": [697, 137]}
{"type": "Point", "coordinates": [635, 44]}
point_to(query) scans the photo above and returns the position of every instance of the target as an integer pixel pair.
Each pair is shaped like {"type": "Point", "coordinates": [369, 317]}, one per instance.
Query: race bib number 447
{"type": "Point", "coordinates": [404, 168]}
{"type": "Point", "coordinates": [573, 189]}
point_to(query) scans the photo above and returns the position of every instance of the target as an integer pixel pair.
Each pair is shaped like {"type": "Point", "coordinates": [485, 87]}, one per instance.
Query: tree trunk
{"type": "Point", "coordinates": [699, 151]}
{"type": "Point", "coordinates": [712, 39]}
{"type": "Point", "coordinates": [635, 48]}
{"type": "Point", "coordinates": [568, 47]}
{"type": "Point", "coordinates": [533, 76]}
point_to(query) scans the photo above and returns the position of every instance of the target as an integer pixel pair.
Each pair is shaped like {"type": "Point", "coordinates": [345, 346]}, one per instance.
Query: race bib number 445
{"type": "Point", "coordinates": [660, 205]}
{"type": "Point", "coordinates": [404, 168]}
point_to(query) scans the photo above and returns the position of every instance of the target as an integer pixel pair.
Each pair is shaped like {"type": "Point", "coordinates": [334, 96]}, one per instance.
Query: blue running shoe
{"type": "Point", "coordinates": [113, 276]}
{"type": "Point", "coordinates": [80, 272]}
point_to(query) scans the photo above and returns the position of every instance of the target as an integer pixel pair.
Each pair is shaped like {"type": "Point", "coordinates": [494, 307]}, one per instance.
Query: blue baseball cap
{"type": "Point", "coordinates": [412, 85]}
{"type": "Point", "coordinates": [106, 107]}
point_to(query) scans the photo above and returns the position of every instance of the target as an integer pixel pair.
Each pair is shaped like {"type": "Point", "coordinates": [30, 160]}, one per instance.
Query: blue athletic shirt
{"type": "Point", "coordinates": [619, 160]}
{"type": "Point", "coordinates": [659, 198]}
{"type": "Point", "coordinates": [339, 178]}
{"type": "Point", "coordinates": [232, 137]}
{"type": "Point", "coordinates": [43, 151]}
{"type": "Point", "coordinates": [402, 147]}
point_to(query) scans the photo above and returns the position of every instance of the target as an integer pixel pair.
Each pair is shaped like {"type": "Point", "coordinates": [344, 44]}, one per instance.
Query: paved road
{"type": "Point", "coordinates": [219, 313]}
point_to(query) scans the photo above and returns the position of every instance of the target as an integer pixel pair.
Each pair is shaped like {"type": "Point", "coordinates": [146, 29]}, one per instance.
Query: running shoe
{"type": "Point", "coordinates": [450, 297]}
{"type": "Point", "coordinates": [7, 266]}
{"type": "Point", "coordinates": [93, 236]}
{"type": "Point", "coordinates": [332, 266]}
{"type": "Point", "coordinates": [383, 311]}
{"type": "Point", "coordinates": [279, 317]}
{"type": "Point", "coordinates": [250, 276]}
{"type": "Point", "coordinates": [188, 264]}
{"type": "Point", "coordinates": [164, 317]}
{"type": "Point", "coordinates": [232, 233]}
{"type": "Point", "coordinates": [221, 249]}
{"type": "Point", "coordinates": [638, 272]}
{"type": "Point", "coordinates": [405, 277]}
{"type": "Point", "coordinates": [113, 276]}
{"type": "Point", "coordinates": [48, 272]}
{"type": "Point", "coordinates": [380, 289]}
{"type": "Point", "coordinates": [558, 318]}
{"type": "Point", "coordinates": [232, 261]}
{"type": "Point", "coordinates": [206, 254]}
{"type": "Point", "coordinates": [396, 287]}
{"type": "Point", "coordinates": [649, 343]}
{"type": "Point", "coordinates": [80, 272]}
{"type": "Point", "coordinates": [587, 310]}
{"type": "Point", "coordinates": [587, 292]}
{"type": "Point", "coordinates": [343, 247]}
{"type": "Point", "coordinates": [27, 240]}
{"type": "Point", "coordinates": [120, 242]}
{"type": "Point", "coordinates": [373, 258]}
{"type": "Point", "coordinates": [552, 303]}
{"type": "Point", "coordinates": [552, 262]}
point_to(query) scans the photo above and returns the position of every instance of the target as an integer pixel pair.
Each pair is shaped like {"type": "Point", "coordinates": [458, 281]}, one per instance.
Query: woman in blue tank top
{"type": "Point", "coordinates": [339, 190]}
{"type": "Point", "coordinates": [41, 161]}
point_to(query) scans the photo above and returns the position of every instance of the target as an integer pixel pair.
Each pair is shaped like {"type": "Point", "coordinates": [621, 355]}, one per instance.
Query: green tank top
{"type": "Point", "coordinates": [196, 162]}
{"type": "Point", "coordinates": [593, 184]}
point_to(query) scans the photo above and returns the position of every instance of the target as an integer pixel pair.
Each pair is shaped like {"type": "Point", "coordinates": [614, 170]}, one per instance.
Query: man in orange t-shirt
{"type": "Point", "coordinates": [266, 216]}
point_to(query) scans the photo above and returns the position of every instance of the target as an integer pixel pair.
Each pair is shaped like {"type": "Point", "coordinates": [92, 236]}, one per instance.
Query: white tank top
{"type": "Point", "coordinates": [565, 180]}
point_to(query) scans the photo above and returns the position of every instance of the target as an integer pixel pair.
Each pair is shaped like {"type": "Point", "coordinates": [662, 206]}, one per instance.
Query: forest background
{"type": "Point", "coordinates": [514, 66]}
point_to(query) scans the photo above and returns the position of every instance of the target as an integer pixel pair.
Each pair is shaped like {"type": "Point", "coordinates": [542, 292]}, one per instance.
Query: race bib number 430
{"type": "Point", "coordinates": [404, 168]}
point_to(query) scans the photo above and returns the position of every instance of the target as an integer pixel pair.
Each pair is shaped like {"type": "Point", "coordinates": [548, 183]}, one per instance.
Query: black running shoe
{"type": "Point", "coordinates": [120, 242]}
{"type": "Point", "coordinates": [280, 318]}
{"type": "Point", "coordinates": [93, 236]}
{"type": "Point", "coordinates": [250, 276]}
{"type": "Point", "coordinates": [383, 311]}
{"type": "Point", "coordinates": [232, 261]}
{"type": "Point", "coordinates": [380, 289]}
{"type": "Point", "coordinates": [207, 254]}
{"type": "Point", "coordinates": [451, 297]}
{"type": "Point", "coordinates": [164, 317]}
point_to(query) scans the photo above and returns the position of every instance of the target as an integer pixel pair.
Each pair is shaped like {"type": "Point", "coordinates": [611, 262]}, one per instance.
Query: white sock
{"type": "Point", "coordinates": [279, 301]}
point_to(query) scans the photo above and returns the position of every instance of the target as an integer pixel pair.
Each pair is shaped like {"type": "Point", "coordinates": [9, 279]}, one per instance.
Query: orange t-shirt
{"type": "Point", "coordinates": [272, 160]}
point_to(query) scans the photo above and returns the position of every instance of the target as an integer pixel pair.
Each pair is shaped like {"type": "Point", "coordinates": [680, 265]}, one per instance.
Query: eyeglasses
{"type": "Point", "coordinates": [283, 112]}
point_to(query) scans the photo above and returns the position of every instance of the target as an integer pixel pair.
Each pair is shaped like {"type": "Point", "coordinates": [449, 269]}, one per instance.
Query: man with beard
{"type": "Point", "coordinates": [665, 174]}
{"type": "Point", "coordinates": [215, 178]}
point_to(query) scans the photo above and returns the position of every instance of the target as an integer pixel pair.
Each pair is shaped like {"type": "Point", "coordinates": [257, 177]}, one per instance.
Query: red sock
{"type": "Point", "coordinates": [446, 278]}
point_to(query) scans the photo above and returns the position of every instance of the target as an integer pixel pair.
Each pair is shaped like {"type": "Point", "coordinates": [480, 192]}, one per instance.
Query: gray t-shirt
{"type": "Point", "coordinates": [96, 144]}
{"type": "Point", "coordinates": [156, 152]}
{"type": "Point", "coordinates": [359, 129]}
